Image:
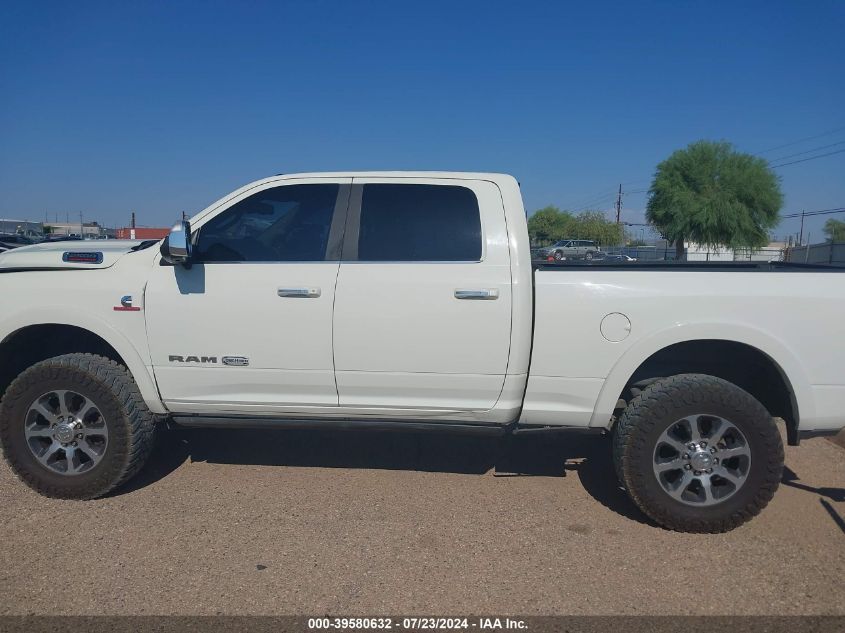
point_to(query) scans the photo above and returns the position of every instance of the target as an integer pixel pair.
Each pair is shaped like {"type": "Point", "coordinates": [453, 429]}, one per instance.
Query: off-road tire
{"type": "Point", "coordinates": [130, 423]}
{"type": "Point", "coordinates": [658, 407]}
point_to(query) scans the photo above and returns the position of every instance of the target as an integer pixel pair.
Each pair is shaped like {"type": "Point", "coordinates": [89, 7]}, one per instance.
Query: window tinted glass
{"type": "Point", "coordinates": [419, 223]}
{"type": "Point", "coordinates": [282, 224]}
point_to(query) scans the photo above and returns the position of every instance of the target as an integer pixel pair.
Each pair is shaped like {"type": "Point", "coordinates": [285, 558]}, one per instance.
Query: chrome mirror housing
{"type": "Point", "coordinates": [177, 247]}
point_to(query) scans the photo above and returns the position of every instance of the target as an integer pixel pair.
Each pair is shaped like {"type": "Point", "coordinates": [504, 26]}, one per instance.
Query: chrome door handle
{"type": "Point", "coordinates": [301, 293]}
{"type": "Point", "coordinates": [485, 294]}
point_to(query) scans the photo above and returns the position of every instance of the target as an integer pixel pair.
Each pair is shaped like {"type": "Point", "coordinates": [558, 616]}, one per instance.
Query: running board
{"type": "Point", "coordinates": [534, 430]}
{"type": "Point", "coordinates": [243, 422]}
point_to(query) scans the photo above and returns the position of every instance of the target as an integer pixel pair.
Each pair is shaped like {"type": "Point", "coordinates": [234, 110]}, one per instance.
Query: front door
{"type": "Point", "coordinates": [248, 327]}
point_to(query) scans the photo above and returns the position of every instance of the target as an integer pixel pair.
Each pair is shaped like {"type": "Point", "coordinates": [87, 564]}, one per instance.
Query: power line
{"type": "Point", "coordinates": [596, 203]}
{"type": "Point", "coordinates": [799, 141]}
{"type": "Point", "coordinates": [807, 151]}
{"type": "Point", "coordinates": [594, 199]}
{"type": "Point", "coordinates": [811, 213]}
{"type": "Point", "coordinates": [636, 182]}
{"type": "Point", "coordinates": [804, 160]}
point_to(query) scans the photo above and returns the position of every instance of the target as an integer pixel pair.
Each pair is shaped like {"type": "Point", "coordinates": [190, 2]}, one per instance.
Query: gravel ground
{"type": "Point", "coordinates": [269, 522]}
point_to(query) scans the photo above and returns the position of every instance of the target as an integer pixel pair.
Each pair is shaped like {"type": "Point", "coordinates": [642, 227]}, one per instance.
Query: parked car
{"type": "Point", "coordinates": [570, 249]}
{"type": "Point", "coordinates": [391, 300]}
{"type": "Point", "coordinates": [63, 238]}
{"type": "Point", "coordinates": [9, 241]}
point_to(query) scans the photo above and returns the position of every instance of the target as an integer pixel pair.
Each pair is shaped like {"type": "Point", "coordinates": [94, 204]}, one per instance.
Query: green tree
{"type": "Point", "coordinates": [835, 230]}
{"type": "Point", "coordinates": [713, 195]}
{"type": "Point", "coordinates": [549, 224]}
{"type": "Point", "coordinates": [592, 225]}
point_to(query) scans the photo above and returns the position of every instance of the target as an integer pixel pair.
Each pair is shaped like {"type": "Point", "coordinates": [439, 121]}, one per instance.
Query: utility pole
{"type": "Point", "coordinates": [801, 238]}
{"type": "Point", "coordinates": [619, 204]}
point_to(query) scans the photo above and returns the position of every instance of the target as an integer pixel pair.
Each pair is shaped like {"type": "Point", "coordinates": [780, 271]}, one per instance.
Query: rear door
{"type": "Point", "coordinates": [580, 247]}
{"type": "Point", "coordinates": [423, 306]}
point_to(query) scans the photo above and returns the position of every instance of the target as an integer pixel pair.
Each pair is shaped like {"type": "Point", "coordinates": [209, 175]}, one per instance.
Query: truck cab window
{"type": "Point", "coordinates": [408, 222]}
{"type": "Point", "coordinates": [282, 224]}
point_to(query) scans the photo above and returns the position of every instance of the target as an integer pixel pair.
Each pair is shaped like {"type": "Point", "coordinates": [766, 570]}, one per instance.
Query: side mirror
{"type": "Point", "coordinates": [176, 247]}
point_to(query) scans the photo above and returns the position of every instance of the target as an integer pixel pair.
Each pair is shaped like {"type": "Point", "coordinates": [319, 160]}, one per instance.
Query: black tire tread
{"type": "Point", "coordinates": [138, 418]}
{"type": "Point", "coordinates": [642, 414]}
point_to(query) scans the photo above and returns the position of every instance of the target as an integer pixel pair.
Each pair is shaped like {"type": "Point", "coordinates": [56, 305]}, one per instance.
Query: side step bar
{"type": "Point", "coordinates": [242, 422]}
{"type": "Point", "coordinates": [246, 422]}
{"type": "Point", "coordinates": [537, 430]}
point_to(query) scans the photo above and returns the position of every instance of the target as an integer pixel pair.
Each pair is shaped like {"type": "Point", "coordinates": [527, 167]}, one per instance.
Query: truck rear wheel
{"type": "Point", "coordinates": [75, 426]}
{"type": "Point", "coordinates": [698, 454]}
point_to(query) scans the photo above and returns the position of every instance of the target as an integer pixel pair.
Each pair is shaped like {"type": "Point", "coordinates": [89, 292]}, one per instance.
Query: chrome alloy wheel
{"type": "Point", "coordinates": [66, 432]}
{"type": "Point", "coordinates": [702, 460]}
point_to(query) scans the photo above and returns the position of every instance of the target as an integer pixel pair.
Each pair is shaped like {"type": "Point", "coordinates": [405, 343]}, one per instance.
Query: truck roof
{"type": "Point", "coordinates": [504, 181]}
{"type": "Point", "coordinates": [462, 175]}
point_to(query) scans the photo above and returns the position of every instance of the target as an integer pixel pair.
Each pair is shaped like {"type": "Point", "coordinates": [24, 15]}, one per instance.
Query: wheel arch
{"type": "Point", "coordinates": [25, 344]}
{"type": "Point", "coordinates": [751, 359]}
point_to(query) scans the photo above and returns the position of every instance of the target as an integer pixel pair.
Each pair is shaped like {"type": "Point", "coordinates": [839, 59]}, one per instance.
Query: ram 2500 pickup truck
{"type": "Point", "coordinates": [409, 300]}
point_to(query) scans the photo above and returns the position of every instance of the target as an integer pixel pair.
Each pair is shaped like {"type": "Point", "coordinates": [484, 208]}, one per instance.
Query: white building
{"type": "Point", "coordinates": [703, 253]}
{"type": "Point", "coordinates": [86, 229]}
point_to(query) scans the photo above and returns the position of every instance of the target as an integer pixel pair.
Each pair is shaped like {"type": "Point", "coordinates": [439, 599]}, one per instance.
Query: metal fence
{"type": "Point", "coordinates": [824, 253]}
{"type": "Point", "coordinates": [667, 253]}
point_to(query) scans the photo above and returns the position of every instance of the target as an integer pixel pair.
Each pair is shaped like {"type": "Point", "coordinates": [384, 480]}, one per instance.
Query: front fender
{"type": "Point", "coordinates": [102, 328]}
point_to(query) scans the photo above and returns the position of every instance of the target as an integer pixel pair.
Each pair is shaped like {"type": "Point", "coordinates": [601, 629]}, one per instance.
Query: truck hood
{"type": "Point", "coordinates": [84, 254]}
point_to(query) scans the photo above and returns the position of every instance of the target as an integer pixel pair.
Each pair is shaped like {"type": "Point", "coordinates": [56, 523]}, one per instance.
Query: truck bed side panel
{"type": "Point", "coordinates": [794, 318]}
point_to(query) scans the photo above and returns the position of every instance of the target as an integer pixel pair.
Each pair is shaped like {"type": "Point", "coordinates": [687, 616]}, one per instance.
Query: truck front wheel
{"type": "Point", "coordinates": [698, 454]}
{"type": "Point", "coordinates": [75, 426]}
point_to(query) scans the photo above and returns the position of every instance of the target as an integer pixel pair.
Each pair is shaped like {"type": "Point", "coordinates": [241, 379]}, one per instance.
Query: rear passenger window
{"type": "Point", "coordinates": [419, 223]}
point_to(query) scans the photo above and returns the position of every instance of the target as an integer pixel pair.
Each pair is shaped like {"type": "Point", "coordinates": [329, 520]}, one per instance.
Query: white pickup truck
{"type": "Point", "coordinates": [409, 300]}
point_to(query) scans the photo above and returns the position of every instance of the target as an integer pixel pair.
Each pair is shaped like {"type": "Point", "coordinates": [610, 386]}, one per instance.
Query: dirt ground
{"type": "Point", "coordinates": [294, 522]}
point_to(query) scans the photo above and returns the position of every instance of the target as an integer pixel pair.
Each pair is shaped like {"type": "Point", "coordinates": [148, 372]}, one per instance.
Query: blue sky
{"type": "Point", "coordinates": [160, 107]}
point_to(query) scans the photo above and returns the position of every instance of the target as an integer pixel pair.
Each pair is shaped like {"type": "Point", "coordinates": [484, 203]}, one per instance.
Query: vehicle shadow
{"type": "Point", "coordinates": [837, 518]}
{"type": "Point", "coordinates": [791, 479]}
{"type": "Point", "coordinates": [531, 455]}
